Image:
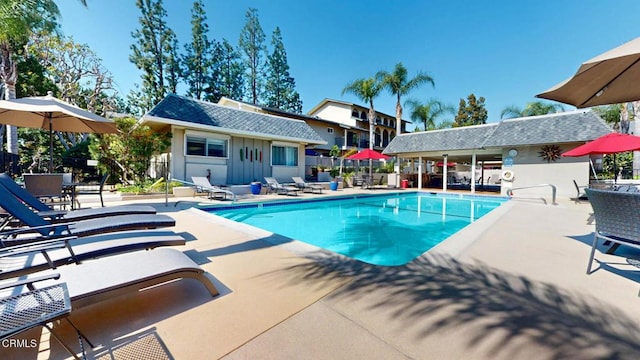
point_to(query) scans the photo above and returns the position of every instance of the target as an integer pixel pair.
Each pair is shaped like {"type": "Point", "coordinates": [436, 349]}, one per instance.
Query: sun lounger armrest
{"type": "Point", "coordinates": [55, 228]}
{"type": "Point", "coordinates": [39, 246]}
{"type": "Point", "coordinates": [29, 281]}
{"type": "Point", "coordinates": [53, 214]}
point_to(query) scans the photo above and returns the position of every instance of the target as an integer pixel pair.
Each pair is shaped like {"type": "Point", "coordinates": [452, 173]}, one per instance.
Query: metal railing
{"type": "Point", "coordinates": [553, 193]}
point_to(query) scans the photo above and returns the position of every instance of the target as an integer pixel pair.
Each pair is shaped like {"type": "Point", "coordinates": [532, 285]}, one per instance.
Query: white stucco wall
{"type": "Point", "coordinates": [339, 113]}
{"type": "Point", "coordinates": [530, 169]}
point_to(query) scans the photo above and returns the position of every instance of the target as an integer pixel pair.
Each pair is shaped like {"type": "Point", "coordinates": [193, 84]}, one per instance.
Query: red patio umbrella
{"type": "Point", "coordinates": [449, 164]}
{"type": "Point", "coordinates": [608, 144]}
{"type": "Point", "coordinates": [368, 154]}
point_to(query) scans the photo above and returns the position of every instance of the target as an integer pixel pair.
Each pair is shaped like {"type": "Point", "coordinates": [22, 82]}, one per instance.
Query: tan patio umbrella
{"type": "Point", "coordinates": [609, 78]}
{"type": "Point", "coordinates": [47, 112]}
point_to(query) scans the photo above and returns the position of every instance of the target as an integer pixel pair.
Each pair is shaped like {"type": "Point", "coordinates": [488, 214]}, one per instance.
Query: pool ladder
{"type": "Point", "coordinates": [553, 193]}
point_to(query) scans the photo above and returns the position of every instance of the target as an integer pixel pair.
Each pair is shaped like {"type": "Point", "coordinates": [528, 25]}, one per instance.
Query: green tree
{"type": "Point", "coordinates": [229, 73]}
{"type": "Point", "coordinates": [18, 20]}
{"type": "Point", "coordinates": [366, 90]}
{"type": "Point", "coordinates": [252, 45]}
{"type": "Point", "coordinates": [152, 50]}
{"type": "Point", "coordinates": [610, 114]}
{"type": "Point", "coordinates": [534, 108]}
{"type": "Point", "coordinates": [173, 67]}
{"type": "Point", "coordinates": [280, 89]}
{"type": "Point", "coordinates": [198, 53]}
{"type": "Point", "coordinates": [131, 149]}
{"type": "Point", "coordinates": [471, 112]}
{"type": "Point", "coordinates": [398, 84]}
{"type": "Point", "coordinates": [429, 112]}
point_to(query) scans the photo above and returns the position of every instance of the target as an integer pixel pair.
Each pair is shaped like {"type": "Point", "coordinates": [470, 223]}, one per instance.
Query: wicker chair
{"type": "Point", "coordinates": [617, 216]}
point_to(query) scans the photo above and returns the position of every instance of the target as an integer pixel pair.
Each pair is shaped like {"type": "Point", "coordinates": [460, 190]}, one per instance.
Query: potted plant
{"type": "Point", "coordinates": [348, 178]}
{"type": "Point", "coordinates": [334, 172]}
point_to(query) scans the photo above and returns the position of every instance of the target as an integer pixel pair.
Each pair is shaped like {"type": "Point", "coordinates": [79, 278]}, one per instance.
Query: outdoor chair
{"type": "Point", "coordinates": [45, 211]}
{"type": "Point", "coordinates": [47, 187]}
{"type": "Point", "coordinates": [27, 258]}
{"type": "Point", "coordinates": [305, 186]}
{"type": "Point", "coordinates": [616, 215]}
{"type": "Point", "coordinates": [36, 224]}
{"type": "Point", "coordinates": [213, 192]}
{"type": "Point", "coordinates": [581, 195]}
{"type": "Point", "coordinates": [109, 277]}
{"type": "Point", "coordinates": [90, 189]}
{"type": "Point", "coordinates": [274, 186]}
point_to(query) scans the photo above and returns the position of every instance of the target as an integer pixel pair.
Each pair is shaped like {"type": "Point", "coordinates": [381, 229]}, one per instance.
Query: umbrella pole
{"type": "Point", "coordinates": [615, 171]}
{"type": "Point", "coordinates": [50, 145]}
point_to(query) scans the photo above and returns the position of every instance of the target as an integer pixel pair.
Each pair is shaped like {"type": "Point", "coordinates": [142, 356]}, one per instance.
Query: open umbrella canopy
{"type": "Point", "coordinates": [609, 78]}
{"type": "Point", "coordinates": [368, 154]}
{"type": "Point", "coordinates": [608, 144]}
{"type": "Point", "coordinates": [449, 164]}
{"type": "Point", "coordinates": [47, 112]}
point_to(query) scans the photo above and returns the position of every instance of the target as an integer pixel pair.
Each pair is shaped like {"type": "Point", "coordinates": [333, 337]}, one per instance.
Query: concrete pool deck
{"type": "Point", "coordinates": [510, 286]}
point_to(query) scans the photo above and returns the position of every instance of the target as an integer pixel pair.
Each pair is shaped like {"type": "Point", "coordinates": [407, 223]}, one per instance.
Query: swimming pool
{"type": "Point", "coordinates": [390, 229]}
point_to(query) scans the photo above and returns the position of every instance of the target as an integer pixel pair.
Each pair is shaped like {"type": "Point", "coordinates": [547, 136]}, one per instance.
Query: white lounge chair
{"type": "Point", "coordinates": [305, 186]}
{"type": "Point", "coordinates": [213, 192]}
{"type": "Point", "coordinates": [280, 189]}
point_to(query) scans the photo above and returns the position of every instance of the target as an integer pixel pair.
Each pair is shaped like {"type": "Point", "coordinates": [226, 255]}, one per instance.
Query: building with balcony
{"type": "Point", "coordinates": [337, 122]}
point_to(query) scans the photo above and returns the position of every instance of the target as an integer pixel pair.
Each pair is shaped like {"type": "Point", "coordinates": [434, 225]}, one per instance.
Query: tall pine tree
{"type": "Point", "coordinates": [280, 90]}
{"type": "Point", "coordinates": [252, 45]}
{"type": "Point", "coordinates": [227, 73]}
{"type": "Point", "coordinates": [151, 51]}
{"type": "Point", "coordinates": [198, 53]}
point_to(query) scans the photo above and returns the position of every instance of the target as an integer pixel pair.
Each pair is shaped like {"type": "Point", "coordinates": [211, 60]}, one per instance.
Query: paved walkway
{"type": "Point", "coordinates": [510, 286]}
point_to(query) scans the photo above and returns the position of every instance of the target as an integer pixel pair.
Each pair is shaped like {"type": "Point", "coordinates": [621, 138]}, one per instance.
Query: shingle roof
{"type": "Point", "coordinates": [189, 110]}
{"type": "Point", "coordinates": [571, 126]}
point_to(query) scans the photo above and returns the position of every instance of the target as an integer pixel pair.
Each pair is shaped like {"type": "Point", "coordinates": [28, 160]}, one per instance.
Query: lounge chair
{"type": "Point", "coordinates": [109, 277]}
{"type": "Point", "coordinates": [31, 257]}
{"type": "Point", "coordinates": [616, 214]}
{"type": "Point", "coordinates": [37, 224]}
{"type": "Point", "coordinates": [581, 195]}
{"type": "Point", "coordinates": [280, 189]}
{"type": "Point", "coordinates": [213, 192]}
{"type": "Point", "coordinates": [305, 186]}
{"type": "Point", "coordinates": [45, 211]}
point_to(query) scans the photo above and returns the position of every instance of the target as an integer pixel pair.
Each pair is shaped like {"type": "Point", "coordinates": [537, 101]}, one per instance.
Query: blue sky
{"type": "Point", "coordinates": [506, 51]}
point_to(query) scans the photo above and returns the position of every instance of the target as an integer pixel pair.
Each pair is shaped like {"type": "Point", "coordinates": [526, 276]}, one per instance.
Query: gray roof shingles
{"type": "Point", "coordinates": [572, 126]}
{"type": "Point", "coordinates": [181, 108]}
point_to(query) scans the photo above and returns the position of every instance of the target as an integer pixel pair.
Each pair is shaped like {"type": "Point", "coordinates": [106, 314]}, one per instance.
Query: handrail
{"type": "Point", "coordinates": [233, 195]}
{"type": "Point", "coordinates": [553, 193]}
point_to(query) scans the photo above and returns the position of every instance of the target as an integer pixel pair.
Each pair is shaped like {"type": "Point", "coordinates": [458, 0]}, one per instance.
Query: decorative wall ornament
{"type": "Point", "coordinates": [550, 153]}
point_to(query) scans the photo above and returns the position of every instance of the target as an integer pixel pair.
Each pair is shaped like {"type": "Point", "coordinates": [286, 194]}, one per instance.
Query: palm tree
{"type": "Point", "coordinates": [531, 109]}
{"type": "Point", "coordinates": [366, 90]}
{"type": "Point", "coordinates": [428, 112]}
{"type": "Point", "coordinates": [399, 85]}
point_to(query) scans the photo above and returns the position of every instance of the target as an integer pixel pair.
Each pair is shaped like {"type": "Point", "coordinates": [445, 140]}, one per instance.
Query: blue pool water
{"type": "Point", "coordinates": [383, 230]}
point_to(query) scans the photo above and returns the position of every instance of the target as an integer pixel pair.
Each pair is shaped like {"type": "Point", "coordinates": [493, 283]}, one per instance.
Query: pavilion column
{"type": "Point", "coordinates": [420, 172]}
{"type": "Point", "coordinates": [444, 172]}
{"type": "Point", "coordinates": [344, 143]}
{"type": "Point", "coordinates": [473, 173]}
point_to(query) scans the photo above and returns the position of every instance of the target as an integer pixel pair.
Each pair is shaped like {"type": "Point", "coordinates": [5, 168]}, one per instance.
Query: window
{"type": "Point", "coordinates": [330, 130]}
{"type": "Point", "coordinates": [284, 155]}
{"type": "Point", "coordinates": [201, 146]}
